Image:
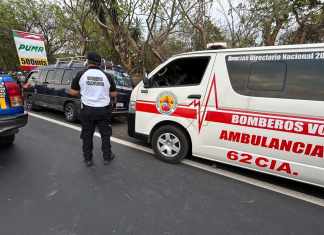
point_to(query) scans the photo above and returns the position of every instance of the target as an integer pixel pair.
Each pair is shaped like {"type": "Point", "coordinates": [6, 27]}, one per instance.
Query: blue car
{"type": "Point", "coordinates": [12, 114]}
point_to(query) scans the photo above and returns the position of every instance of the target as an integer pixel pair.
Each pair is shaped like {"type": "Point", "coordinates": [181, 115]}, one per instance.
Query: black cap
{"type": "Point", "coordinates": [93, 58]}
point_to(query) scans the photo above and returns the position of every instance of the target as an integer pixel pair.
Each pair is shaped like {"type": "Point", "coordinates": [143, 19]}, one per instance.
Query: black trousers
{"type": "Point", "coordinates": [92, 117]}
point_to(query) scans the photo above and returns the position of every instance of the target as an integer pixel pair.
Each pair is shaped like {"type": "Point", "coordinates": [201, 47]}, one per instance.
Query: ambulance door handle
{"type": "Point", "coordinates": [194, 96]}
{"type": "Point", "coordinates": [144, 91]}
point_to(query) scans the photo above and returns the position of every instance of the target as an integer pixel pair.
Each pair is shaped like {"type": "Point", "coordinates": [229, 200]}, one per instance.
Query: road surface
{"type": "Point", "coordinates": [46, 189]}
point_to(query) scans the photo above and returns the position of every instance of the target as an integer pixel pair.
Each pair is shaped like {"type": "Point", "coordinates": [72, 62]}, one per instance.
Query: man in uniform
{"type": "Point", "coordinates": [96, 89]}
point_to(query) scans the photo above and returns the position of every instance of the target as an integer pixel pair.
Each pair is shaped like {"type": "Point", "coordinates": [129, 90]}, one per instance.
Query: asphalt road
{"type": "Point", "coordinates": [119, 124]}
{"type": "Point", "coordinates": [46, 189]}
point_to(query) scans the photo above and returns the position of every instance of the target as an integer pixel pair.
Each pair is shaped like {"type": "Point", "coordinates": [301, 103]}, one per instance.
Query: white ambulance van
{"type": "Point", "coordinates": [257, 108]}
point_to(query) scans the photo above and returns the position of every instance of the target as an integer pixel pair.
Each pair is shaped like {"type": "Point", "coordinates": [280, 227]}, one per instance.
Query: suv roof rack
{"type": "Point", "coordinates": [70, 60]}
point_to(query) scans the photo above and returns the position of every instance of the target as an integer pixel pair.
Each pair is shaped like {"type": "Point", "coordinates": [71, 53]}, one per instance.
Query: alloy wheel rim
{"type": "Point", "coordinates": [169, 145]}
{"type": "Point", "coordinates": [28, 105]}
{"type": "Point", "coordinates": [69, 113]}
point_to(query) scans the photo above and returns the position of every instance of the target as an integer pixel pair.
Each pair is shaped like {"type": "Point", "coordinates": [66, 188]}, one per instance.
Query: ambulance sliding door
{"type": "Point", "coordinates": [219, 99]}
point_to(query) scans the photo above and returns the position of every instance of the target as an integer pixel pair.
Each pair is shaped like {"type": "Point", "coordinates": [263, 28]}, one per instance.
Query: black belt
{"type": "Point", "coordinates": [92, 107]}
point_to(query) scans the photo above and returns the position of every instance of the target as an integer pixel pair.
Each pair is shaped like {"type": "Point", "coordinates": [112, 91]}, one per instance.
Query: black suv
{"type": "Point", "coordinates": [48, 86]}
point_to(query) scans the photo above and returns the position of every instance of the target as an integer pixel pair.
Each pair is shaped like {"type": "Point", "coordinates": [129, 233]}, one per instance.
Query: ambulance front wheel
{"type": "Point", "coordinates": [170, 144]}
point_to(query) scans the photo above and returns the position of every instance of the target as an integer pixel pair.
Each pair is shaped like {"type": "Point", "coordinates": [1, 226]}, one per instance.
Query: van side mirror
{"type": "Point", "coordinates": [146, 81]}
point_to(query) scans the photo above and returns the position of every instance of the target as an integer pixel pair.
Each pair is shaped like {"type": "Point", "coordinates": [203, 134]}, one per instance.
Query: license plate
{"type": "Point", "coordinates": [120, 105]}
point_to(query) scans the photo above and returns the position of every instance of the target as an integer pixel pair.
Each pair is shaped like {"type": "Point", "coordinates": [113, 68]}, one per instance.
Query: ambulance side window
{"type": "Point", "coordinates": [181, 72]}
{"type": "Point", "coordinates": [267, 76]}
{"type": "Point", "coordinates": [305, 80]}
{"type": "Point", "coordinates": [301, 79]}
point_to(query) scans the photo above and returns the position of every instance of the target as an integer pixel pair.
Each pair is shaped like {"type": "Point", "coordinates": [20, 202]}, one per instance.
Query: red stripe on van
{"type": "Point", "coordinates": [185, 112]}
{"type": "Point", "coordinates": [146, 107]}
{"type": "Point", "coordinates": [179, 112]}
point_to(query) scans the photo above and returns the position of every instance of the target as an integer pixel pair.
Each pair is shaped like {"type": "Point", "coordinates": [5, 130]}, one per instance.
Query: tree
{"type": "Point", "coordinates": [49, 20]}
{"type": "Point", "coordinates": [307, 22]}
{"type": "Point", "coordinates": [143, 32]}
{"type": "Point", "coordinates": [273, 17]}
{"type": "Point", "coordinates": [239, 25]}
{"type": "Point", "coordinates": [42, 17]}
{"type": "Point", "coordinates": [118, 19]}
{"type": "Point", "coordinates": [79, 24]}
{"type": "Point", "coordinates": [8, 55]}
{"type": "Point", "coordinates": [278, 21]}
{"type": "Point", "coordinates": [196, 14]}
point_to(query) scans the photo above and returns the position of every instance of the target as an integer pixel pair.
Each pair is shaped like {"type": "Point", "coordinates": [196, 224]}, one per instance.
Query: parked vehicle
{"type": "Point", "coordinates": [12, 115]}
{"type": "Point", "coordinates": [122, 82]}
{"type": "Point", "coordinates": [49, 84]}
{"type": "Point", "coordinates": [257, 108]}
{"type": "Point", "coordinates": [118, 70]}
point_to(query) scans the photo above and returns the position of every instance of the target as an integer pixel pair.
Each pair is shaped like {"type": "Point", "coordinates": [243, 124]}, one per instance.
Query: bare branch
{"type": "Point", "coordinates": [103, 25]}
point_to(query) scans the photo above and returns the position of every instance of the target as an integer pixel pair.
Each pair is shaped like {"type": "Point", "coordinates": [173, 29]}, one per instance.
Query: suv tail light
{"type": "Point", "coordinates": [14, 94]}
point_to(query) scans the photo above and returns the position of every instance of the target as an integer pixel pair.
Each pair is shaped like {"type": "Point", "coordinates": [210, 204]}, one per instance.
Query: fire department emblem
{"type": "Point", "coordinates": [166, 103]}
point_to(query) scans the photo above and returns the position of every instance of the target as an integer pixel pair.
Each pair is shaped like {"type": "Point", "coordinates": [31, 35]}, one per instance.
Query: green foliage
{"type": "Point", "coordinates": [8, 57]}
{"type": "Point", "coordinates": [141, 33]}
{"type": "Point", "coordinates": [288, 22]}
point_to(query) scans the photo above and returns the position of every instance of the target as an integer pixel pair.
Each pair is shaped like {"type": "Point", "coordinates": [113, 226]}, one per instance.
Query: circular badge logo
{"type": "Point", "coordinates": [166, 103]}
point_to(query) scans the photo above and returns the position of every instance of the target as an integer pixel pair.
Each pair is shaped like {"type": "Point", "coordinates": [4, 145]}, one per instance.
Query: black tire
{"type": "Point", "coordinates": [184, 144]}
{"type": "Point", "coordinates": [30, 105]}
{"type": "Point", "coordinates": [7, 140]}
{"type": "Point", "coordinates": [70, 112]}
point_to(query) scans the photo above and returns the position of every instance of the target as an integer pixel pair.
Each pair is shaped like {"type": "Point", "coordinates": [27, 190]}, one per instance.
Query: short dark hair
{"type": "Point", "coordinates": [93, 58]}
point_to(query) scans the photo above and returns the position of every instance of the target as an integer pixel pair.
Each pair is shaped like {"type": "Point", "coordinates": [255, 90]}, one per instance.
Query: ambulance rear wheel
{"type": "Point", "coordinates": [170, 144]}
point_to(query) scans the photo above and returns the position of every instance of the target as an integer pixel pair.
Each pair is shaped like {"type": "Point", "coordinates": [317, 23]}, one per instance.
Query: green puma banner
{"type": "Point", "coordinates": [30, 48]}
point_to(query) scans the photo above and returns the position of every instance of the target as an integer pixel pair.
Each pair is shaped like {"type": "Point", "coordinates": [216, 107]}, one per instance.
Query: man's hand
{"type": "Point", "coordinates": [72, 92]}
{"type": "Point", "coordinates": [113, 94]}
{"type": "Point", "coordinates": [26, 85]}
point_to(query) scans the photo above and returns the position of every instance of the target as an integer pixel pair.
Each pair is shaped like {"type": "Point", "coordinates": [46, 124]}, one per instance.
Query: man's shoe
{"type": "Point", "coordinates": [112, 156]}
{"type": "Point", "coordinates": [88, 163]}
{"type": "Point", "coordinates": [108, 160]}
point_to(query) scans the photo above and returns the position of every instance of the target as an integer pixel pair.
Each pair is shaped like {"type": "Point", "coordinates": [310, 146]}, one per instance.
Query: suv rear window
{"type": "Point", "coordinates": [69, 75]}
{"type": "Point", "coordinates": [34, 75]}
{"type": "Point", "coordinates": [42, 75]}
{"type": "Point", "coordinates": [54, 76]}
{"type": "Point", "coordinates": [50, 76]}
{"type": "Point", "coordinates": [120, 79]}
